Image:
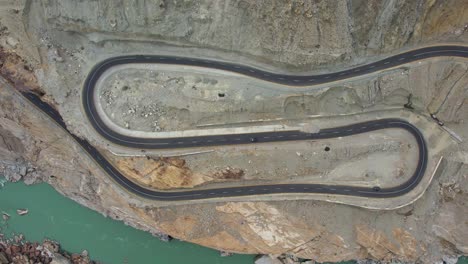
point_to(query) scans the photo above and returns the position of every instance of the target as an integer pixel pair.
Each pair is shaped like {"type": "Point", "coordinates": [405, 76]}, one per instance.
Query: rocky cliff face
{"type": "Point", "coordinates": [49, 46]}
{"type": "Point", "coordinates": [296, 33]}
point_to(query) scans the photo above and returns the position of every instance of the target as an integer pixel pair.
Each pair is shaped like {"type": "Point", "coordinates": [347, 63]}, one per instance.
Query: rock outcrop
{"type": "Point", "coordinates": [171, 173]}
{"type": "Point", "coordinates": [48, 252]}
{"type": "Point", "coordinates": [294, 32]}
{"type": "Point", "coordinates": [162, 173]}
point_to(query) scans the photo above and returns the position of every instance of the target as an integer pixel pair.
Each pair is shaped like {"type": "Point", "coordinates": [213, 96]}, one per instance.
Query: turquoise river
{"type": "Point", "coordinates": [107, 241]}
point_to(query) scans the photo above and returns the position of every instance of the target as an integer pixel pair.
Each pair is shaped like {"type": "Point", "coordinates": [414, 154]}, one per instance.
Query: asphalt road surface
{"type": "Point", "coordinates": [252, 138]}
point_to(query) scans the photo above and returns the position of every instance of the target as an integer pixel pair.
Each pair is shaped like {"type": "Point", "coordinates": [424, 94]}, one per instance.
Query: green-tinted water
{"type": "Point", "coordinates": [77, 228]}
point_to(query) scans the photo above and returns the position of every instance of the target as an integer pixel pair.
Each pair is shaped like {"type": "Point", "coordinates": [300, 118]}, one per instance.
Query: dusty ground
{"type": "Point", "coordinates": [386, 158]}
{"type": "Point", "coordinates": [157, 98]}
{"type": "Point", "coordinates": [61, 40]}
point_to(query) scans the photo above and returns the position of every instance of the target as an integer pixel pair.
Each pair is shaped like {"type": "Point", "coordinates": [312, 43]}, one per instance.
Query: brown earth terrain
{"type": "Point", "coordinates": [170, 173]}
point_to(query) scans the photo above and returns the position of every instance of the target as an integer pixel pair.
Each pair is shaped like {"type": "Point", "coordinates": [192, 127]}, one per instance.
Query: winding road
{"type": "Point", "coordinates": [252, 138]}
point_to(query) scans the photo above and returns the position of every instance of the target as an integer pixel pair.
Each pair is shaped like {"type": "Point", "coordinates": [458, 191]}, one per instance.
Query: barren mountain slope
{"type": "Point", "coordinates": [50, 47]}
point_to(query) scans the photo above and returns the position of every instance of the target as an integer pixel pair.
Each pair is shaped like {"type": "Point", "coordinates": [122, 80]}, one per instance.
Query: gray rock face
{"type": "Point", "coordinates": [12, 173]}
{"type": "Point", "coordinates": [293, 32]}
{"type": "Point", "coordinates": [20, 171]}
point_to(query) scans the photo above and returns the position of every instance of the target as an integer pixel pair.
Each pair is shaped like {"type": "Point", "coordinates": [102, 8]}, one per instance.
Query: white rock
{"type": "Point", "coordinates": [59, 259]}
{"type": "Point", "coordinates": [450, 259]}
{"type": "Point", "coordinates": [267, 260]}
{"type": "Point", "coordinates": [22, 170]}
{"type": "Point", "coordinates": [22, 211]}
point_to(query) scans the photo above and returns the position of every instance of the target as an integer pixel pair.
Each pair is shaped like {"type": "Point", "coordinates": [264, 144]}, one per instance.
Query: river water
{"type": "Point", "coordinates": [77, 228]}
{"type": "Point", "coordinates": [54, 216]}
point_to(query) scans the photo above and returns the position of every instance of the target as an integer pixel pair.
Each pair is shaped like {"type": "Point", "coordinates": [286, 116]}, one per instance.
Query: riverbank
{"type": "Point", "coordinates": [17, 250]}
{"type": "Point", "coordinates": [53, 216]}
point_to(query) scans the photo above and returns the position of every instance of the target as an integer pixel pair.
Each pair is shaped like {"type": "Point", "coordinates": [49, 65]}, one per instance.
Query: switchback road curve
{"type": "Point", "coordinates": [295, 80]}
{"type": "Point", "coordinates": [358, 128]}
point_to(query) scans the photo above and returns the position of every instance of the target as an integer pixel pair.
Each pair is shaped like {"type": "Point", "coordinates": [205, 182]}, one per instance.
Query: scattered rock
{"type": "Point", "coordinates": [267, 260]}
{"type": "Point", "coordinates": [449, 259]}
{"type": "Point", "coordinates": [406, 211]}
{"type": "Point", "coordinates": [51, 246]}
{"type": "Point", "coordinates": [22, 211]}
{"type": "Point", "coordinates": [225, 254]}
{"type": "Point", "coordinates": [448, 190]}
{"type": "Point", "coordinates": [47, 252]}
{"type": "Point", "coordinates": [18, 238]}
{"type": "Point", "coordinates": [12, 42]}
{"type": "Point", "coordinates": [12, 172]}
{"type": "Point", "coordinates": [55, 55]}
{"type": "Point", "coordinates": [5, 216]}
{"type": "Point", "coordinates": [59, 259]}
{"type": "Point", "coordinates": [32, 177]}
{"type": "Point", "coordinates": [22, 171]}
